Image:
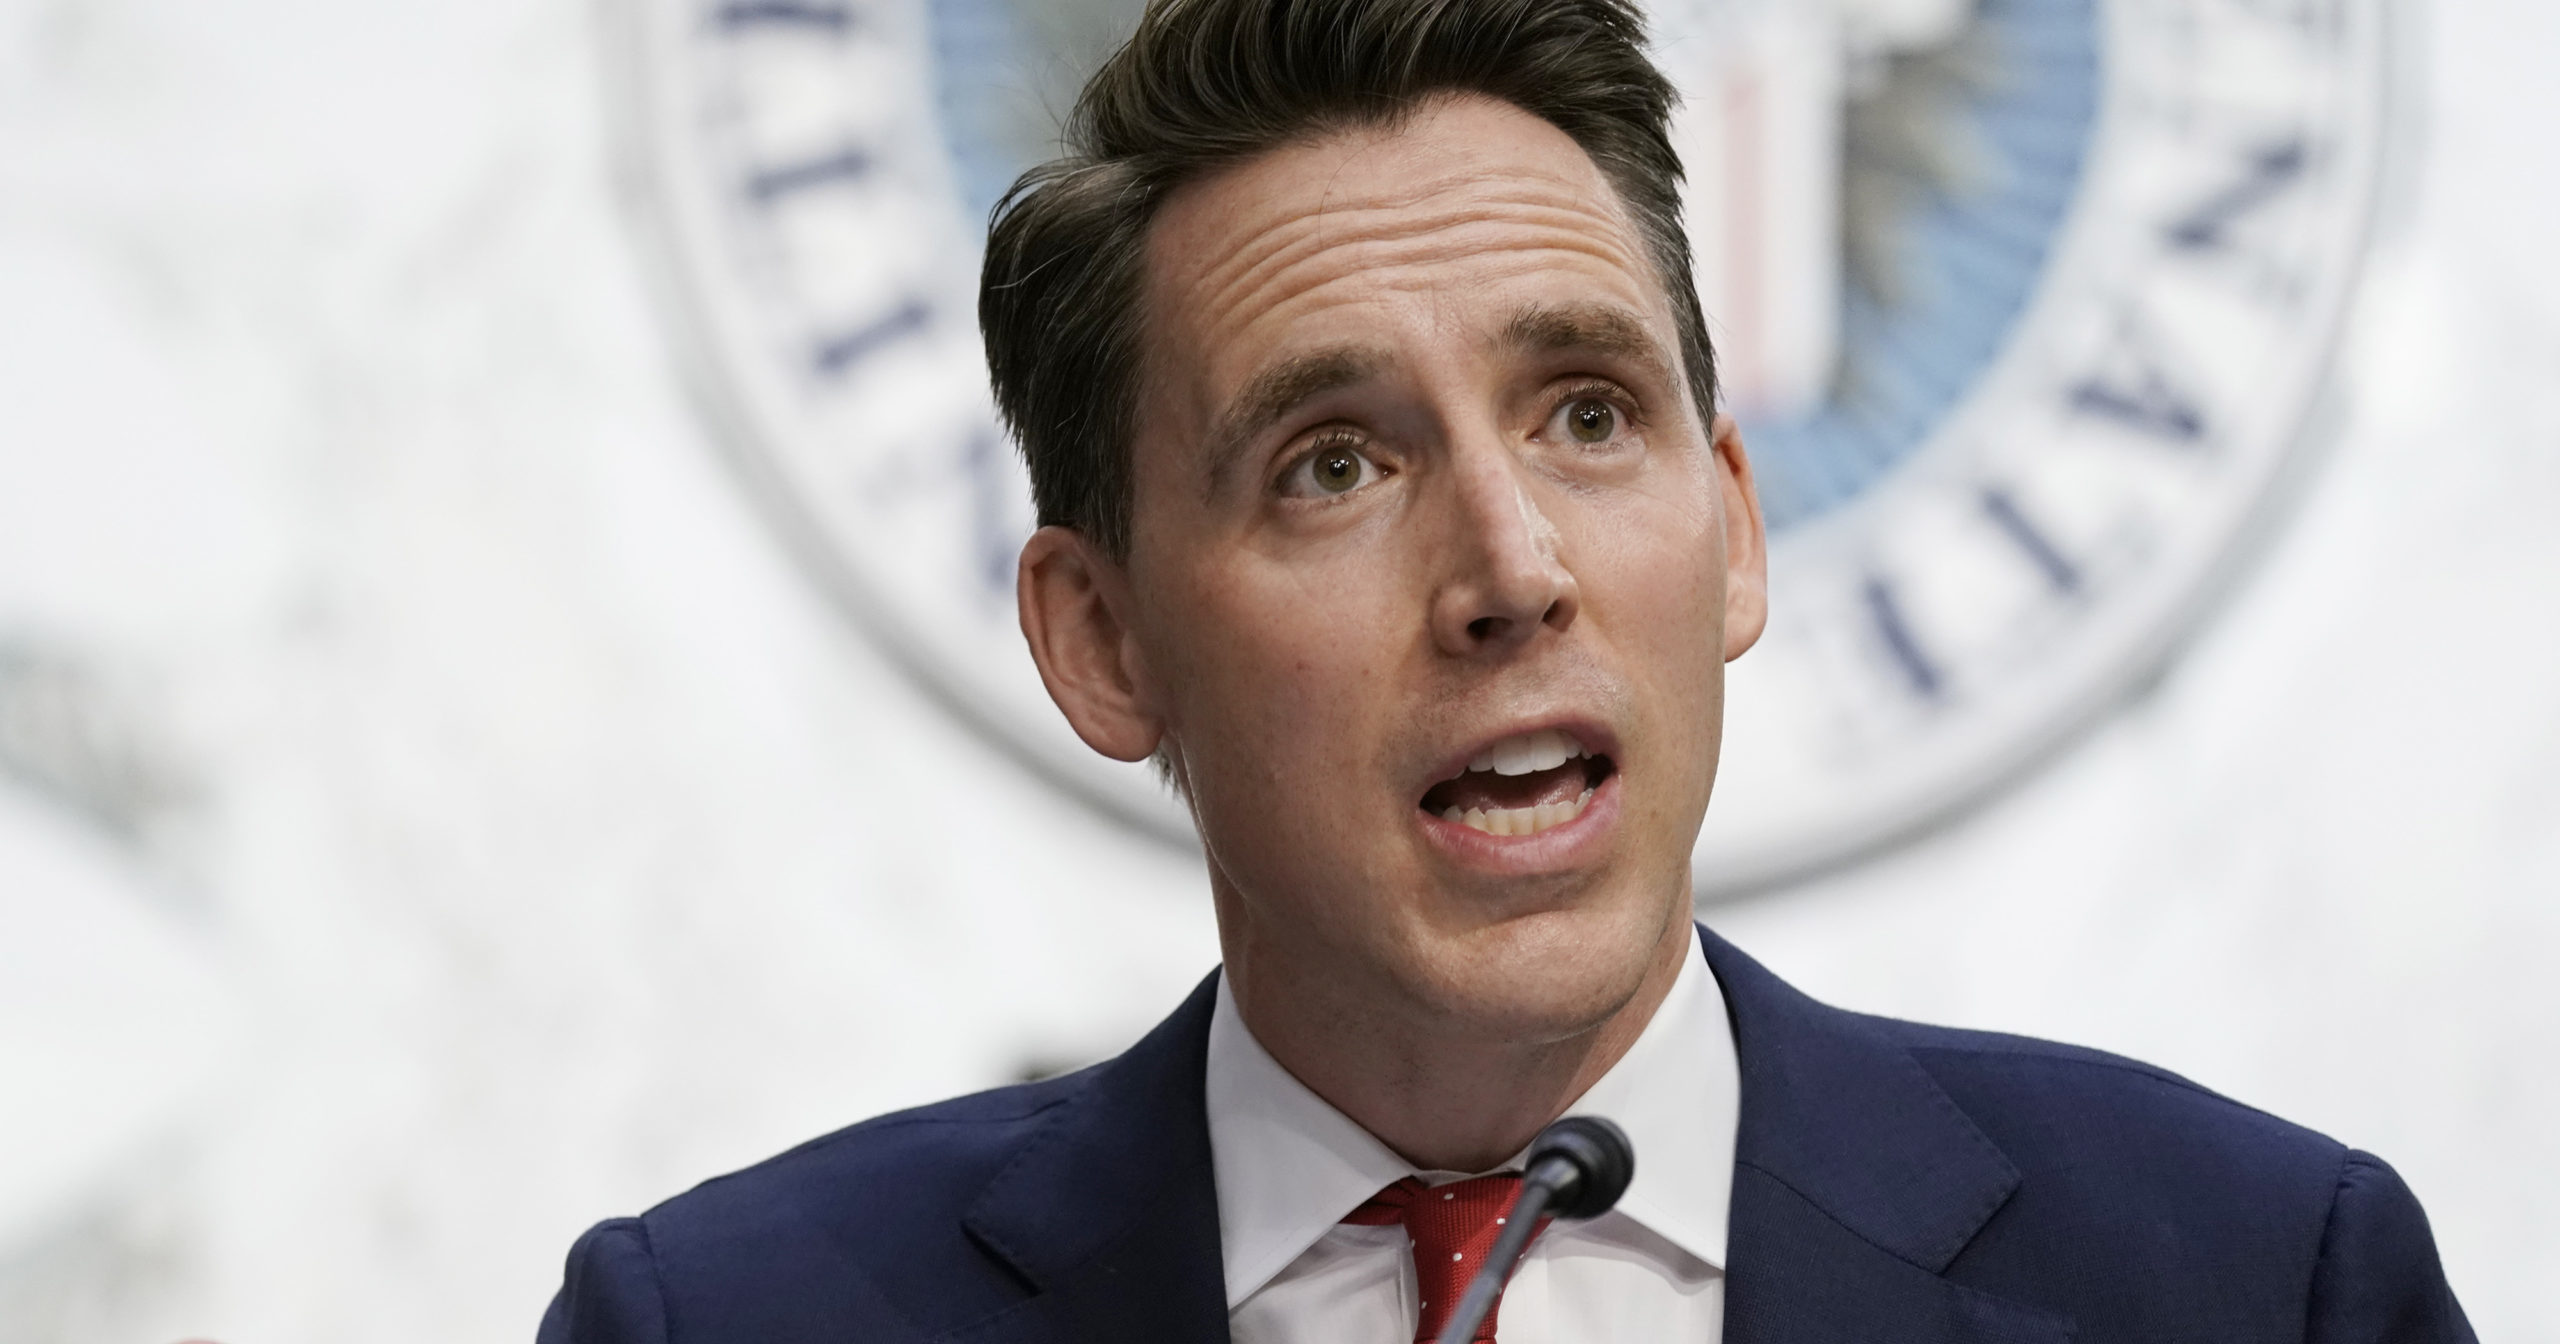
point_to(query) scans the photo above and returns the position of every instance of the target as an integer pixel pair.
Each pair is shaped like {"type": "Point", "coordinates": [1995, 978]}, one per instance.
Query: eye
{"type": "Point", "coordinates": [1590, 420]}
{"type": "Point", "coordinates": [1335, 469]}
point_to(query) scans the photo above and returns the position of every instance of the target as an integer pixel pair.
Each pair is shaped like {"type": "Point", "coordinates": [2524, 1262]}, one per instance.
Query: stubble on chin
{"type": "Point", "coordinates": [1541, 978]}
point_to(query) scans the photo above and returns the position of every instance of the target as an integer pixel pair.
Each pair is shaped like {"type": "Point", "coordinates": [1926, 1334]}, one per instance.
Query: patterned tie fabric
{"type": "Point", "coordinates": [1453, 1228]}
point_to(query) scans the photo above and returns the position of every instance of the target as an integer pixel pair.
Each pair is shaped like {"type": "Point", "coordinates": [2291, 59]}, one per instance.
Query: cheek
{"type": "Point", "coordinates": [1653, 589]}
{"type": "Point", "coordinates": [1279, 713]}
{"type": "Point", "coordinates": [1282, 669]}
{"type": "Point", "coordinates": [1655, 573]}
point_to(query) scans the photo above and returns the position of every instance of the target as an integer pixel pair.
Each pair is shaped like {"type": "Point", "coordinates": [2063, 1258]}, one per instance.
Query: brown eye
{"type": "Point", "coordinates": [1591, 420]}
{"type": "Point", "coordinates": [1331, 471]}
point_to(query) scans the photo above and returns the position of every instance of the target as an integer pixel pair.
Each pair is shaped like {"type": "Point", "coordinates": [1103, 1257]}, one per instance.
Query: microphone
{"type": "Point", "coordinates": [1578, 1167]}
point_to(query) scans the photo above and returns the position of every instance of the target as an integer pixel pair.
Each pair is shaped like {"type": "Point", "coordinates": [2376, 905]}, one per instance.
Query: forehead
{"type": "Point", "coordinates": [1442, 223]}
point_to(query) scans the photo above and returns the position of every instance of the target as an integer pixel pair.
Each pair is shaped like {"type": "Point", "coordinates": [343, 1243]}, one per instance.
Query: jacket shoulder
{"type": "Point", "coordinates": [926, 1161]}
{"type": "Point", "coordinates": [902, 1228]}
{"type": "Point", "coordinates": [793, 1247]}
{"type": "Point", "coordinates": [2131, 1176]}
{"type": "Point", "coordinates": [2055, 1096]}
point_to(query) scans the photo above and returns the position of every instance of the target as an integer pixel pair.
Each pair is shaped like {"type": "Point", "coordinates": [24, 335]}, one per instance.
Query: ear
{"type": "Point", "coordinates": [1746, 544]}
{"type": "Point", "coordinates": [1074, 604]}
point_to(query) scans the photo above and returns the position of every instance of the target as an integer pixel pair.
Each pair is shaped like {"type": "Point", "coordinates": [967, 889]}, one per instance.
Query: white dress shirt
{"type": "Point", "coordinates": [1289, 1167]}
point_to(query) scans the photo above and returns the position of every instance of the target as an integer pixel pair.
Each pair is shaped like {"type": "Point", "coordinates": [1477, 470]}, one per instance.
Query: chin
{"type": "Point", "coordinates": [1550, 974]}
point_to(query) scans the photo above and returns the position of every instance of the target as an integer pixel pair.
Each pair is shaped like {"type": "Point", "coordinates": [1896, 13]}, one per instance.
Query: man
{"type": "Point", "coordinates": [1369, 412]}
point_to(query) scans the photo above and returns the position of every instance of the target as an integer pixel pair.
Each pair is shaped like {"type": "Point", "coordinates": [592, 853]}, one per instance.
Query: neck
{"type": "Point", "coordinates": [1448, 1086]}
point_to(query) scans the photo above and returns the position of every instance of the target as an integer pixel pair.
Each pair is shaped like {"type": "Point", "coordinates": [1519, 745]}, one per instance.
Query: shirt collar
{"type": "Point", "coordinates": [1678, 1095]}
{"type": "Point", "coordinates": [1289, 1165]}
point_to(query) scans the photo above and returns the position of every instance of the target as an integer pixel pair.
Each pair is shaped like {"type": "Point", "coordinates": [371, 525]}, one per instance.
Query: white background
{"type": "Point", "coordinates": [553, 846]}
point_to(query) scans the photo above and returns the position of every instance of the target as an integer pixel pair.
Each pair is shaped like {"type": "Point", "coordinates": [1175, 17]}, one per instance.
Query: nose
{"type": "Point", "coordinates": [1506, 577]}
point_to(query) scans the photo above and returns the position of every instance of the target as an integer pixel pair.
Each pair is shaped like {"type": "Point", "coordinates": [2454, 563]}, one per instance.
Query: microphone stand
{"type": "Point", "coordinates": [1578, 1167]}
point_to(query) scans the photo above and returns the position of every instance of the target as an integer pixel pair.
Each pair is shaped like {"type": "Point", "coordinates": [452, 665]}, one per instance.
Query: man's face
{"type": "Point", "coordinates": [1435, 569]}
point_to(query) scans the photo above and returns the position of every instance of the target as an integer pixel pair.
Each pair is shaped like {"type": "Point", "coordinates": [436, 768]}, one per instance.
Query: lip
{"type": "Point", "coordinates": [1594, 737]}
{"type": "Point", "coordinates": [1554, 849]}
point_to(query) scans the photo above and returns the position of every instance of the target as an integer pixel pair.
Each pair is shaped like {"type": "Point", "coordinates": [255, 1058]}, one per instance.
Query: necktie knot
{"type": "Point", "coordinates": [1453, 1228]}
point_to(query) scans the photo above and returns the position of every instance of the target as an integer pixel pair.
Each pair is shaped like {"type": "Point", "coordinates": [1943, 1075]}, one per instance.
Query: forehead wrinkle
{"type": "Point", "coordinates": [1450, 257]}
{"type": "Point", "coordinates": [1381, 218]}
{"type": "Point", "coordinates": [1283, 299]}
{"type": "Point", "coordinates": [1389, 236]}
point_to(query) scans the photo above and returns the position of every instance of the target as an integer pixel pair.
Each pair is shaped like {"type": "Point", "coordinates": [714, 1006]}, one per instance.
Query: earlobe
{"type": "Point", "coordinates": [1073, 602]}
{"type": "Point", "coordinates": [1746, 544]}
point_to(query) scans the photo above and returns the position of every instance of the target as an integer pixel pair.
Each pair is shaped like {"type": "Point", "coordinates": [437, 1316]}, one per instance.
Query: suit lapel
{"type": "Point", "coordinates": [1856, 1182]}
{"type": "Point", "coordinates": [1110, 1212]}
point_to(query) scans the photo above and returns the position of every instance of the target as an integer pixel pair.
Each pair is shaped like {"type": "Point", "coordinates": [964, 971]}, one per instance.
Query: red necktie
{"type": "Point", "coordinates": [1453, 1228]}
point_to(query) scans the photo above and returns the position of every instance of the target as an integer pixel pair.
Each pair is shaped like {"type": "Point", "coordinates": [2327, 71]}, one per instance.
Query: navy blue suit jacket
{"type": "Point", "coordinates": [1893, 1182]}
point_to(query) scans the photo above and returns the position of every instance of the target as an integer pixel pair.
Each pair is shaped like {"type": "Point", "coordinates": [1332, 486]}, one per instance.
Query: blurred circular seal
{"type": "Point", "coordinates": [2025, 306]}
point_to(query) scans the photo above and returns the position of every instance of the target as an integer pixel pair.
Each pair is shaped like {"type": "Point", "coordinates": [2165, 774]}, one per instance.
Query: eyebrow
{"type": "Point", "coordinates": [1280, 389]}
{"type": "Point", "coordinates": [1603, 328]}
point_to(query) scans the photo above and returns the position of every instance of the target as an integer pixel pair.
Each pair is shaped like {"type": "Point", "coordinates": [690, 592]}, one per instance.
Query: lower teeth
{"type": "Point", "coordinates": [1518, 820]}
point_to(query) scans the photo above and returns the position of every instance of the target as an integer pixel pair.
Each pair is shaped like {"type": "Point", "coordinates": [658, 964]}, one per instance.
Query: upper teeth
{"type": "Point", "coordinates": [1528, 753]}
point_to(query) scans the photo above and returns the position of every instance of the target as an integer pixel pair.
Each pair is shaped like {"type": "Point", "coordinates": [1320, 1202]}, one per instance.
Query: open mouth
{"type": "Point", "coordinates": [1521, 785]}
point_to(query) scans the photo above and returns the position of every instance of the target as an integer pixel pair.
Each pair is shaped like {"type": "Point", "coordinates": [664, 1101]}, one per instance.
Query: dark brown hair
{"type": "Point", "coordinates": [1204, 83]}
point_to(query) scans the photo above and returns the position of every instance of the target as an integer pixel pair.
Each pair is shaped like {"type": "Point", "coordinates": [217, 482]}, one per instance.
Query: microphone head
{"type": "Point", "coordinates": [1601, 1157]}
